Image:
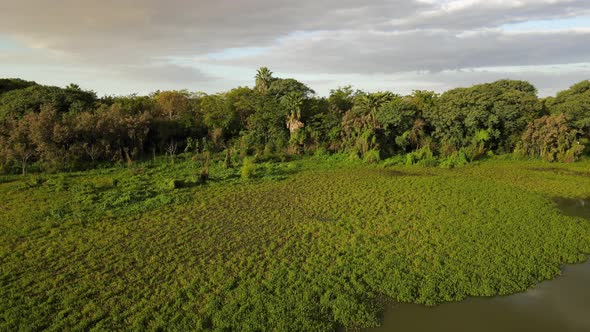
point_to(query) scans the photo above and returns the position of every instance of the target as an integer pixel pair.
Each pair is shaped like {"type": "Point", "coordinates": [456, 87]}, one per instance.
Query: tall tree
{"type": "Point", "coordinates": [18, 145]}
{"type": "Point", "coordinates": [552, 138]}
{"type": "Point", "coordinates": [172, 104]}
{"type": "Point", "coordinates": [263, 79]}
{"type": "Point", "coordinates": [575, 104]}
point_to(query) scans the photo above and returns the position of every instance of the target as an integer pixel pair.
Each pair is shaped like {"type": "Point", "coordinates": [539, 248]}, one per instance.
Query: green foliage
{"type": "Point", "coordinates": [313, 245]}
{"type": "Point", "coordinates": [281, 87]}
{"type": "Point", "coordinates": [263, 80]}
{"type": "Point", "coordinates": [575, 104]}
{"type": "Point", "coordinates": [372, 156]}
{"type": "Point", "coordinates": [502, 109]}
{"type": "Point", "coordinates": [553, 139]}
{"type": "Point", "coordinates": [422, 157]}
{"type": "Point", "coordinates": [55, 129]}
{"type": "Point", "coordinates": [18, 102]}
{"type": "Point", "coordinates": [342, 99]}
{"type": "Point", "coordinates": [266, 127]}
{"type": "Point", "coordinates": [174, 184]}
{"type": "Point", "coordinates": [35, 181]}
{"type": "Point", "coordinates": [248, 170]}
{"type": "Point", "coordinates": [457, 159]}
{"type": "Point", "coordinates": [395, 161]}
{"type": "Point", "coordinates": [9, 84]}
{"type": "Point", "coordinates": [396, 118]}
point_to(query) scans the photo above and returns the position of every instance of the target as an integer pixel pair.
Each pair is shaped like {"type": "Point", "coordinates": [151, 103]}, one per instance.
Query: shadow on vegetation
{"type": "Point", "coordinates": [561, 171]}
{"type": "Point", "coordinates": [6, 180]}
{"type": "Point", "coordinates": [325, 219]}
{"type": "Point", "coordinates": [574, 207]}
{"type": "Point", "coordinates": [396, 173]}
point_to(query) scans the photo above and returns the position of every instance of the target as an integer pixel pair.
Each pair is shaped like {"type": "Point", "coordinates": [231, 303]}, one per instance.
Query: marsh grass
{"type": "Point", "coordinates": [308, 244]}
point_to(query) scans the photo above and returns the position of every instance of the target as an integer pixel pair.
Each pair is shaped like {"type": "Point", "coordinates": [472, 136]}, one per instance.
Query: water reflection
{"type": "Point", "coordinates": [575, 207]}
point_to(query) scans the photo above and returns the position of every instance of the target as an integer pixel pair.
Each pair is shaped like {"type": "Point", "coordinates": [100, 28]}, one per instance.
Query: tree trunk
{"type": "Point", "coordinates": [128, 157]}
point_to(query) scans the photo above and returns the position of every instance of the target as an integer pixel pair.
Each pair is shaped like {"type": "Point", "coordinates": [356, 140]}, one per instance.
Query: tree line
{"type": "Point", "coordinates": [70, 128]}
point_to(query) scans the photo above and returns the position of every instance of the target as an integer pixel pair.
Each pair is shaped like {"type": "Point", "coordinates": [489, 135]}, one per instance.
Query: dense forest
{"type": "Point", "coordinates": [59, 129]}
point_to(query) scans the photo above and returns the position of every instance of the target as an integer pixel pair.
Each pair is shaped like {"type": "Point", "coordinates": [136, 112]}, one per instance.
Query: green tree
{"type": "Point", "coordinates": [360, 126]}
{"type": "Point", "coordinates": [341, 100]}
{"type": "Point", "coordinates": [502, 109]}
{"type": "Point", "coordinates": [9, 84]}
{"type": "Point", "coordinates": [575, 104]}
{"type": "Point", "coordinates": [172, 104]}
{"type": "Point", "coordinates": [263, 79]}
{"type": "Point", "coordinates": [18, 145]}
{"type": "Point", "coordinates": [552, 138]}
{"type": "Point", "coordinates": [21, 101]}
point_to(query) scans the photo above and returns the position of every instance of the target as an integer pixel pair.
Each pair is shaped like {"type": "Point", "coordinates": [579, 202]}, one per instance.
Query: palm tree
{"type": "Point", "coordinates": [263, 79]}
{"type": "Point", "coordinates": [292, 104]}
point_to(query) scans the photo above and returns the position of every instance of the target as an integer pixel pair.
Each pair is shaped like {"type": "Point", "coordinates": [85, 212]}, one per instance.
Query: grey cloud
{"type": "Point", "coordinates": [547, 79]}
{"type": "Point", "coordinates": [163, 73]}
{"type": "Point", "coordinates": [131, 31]}
{"type": "Point", "coordinates": [181, 27]}
{"type": "Point", "coordinates": [420, 50]}
{"type": "Point", "coordinates": [130, 38]}
{"type": "Point", "coordinates": [476, 14]}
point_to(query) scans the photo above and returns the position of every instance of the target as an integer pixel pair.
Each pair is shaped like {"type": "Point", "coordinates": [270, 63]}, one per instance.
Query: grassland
{"type": "Point", "coordinates": [307, 245]}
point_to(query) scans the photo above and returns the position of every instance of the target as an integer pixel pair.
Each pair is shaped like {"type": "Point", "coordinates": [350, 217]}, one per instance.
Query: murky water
{"type": "Point", "coordinates": [562, 304]}
{"type": "Point", "coordinates": [574, 206]}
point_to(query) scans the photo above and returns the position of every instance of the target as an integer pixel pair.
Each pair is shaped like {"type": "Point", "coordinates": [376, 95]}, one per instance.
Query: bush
{"type": "Point", "coordinates": [372, 156]}
{"type": "Point", "coordinates": [456, 159]}
{"type": "Point", "coordinates": [58, 184]}
{"type": "Point", "coordinates": [248, 169]}
{"type": "Point", "coordinates": [395, 160]}
{"type": "Point", "coordinates": [35, 181]}
{"type": "Point", "coordinates": [321, 152]}
{"type": "Point", "coordinates": [422, 156]}
{"type": "Point", "coordinates": [175, 184]}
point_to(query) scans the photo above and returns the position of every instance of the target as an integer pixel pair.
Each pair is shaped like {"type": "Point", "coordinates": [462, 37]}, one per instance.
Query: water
{"type": "Point", "coordinates": [562, 304]}
{"type": "Point", "coordinates": [575, 207]}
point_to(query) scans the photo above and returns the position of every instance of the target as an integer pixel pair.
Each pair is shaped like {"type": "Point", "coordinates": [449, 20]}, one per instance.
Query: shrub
{"type": "Point", "coordinates": [372, 156]}
{"type": "Point", "coordinates": [248, 169]}
{"type": "Point", "coordinates": [35, 181]}
{"type": "Point", "coordinates": [321, 152]}
{"type": "Point", "coordinates": [420, 156]}
{"type": "Point", "coordinates": [227, 161]}
{"type": "Point", "coordinates": [58, 184]}
{"type": "Point", "coordinates": [456, 159]}
{"type": "Point", "coordinates": [175, 184]}
{"type": "Point", "coordinates": [395, 160]}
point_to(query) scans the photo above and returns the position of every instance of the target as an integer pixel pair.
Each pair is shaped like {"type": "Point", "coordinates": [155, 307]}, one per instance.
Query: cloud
{"type": "Point", "coordinates": [163, 73]}
{"type": "Point", "coordinates": [476, 14]}
{"type": "Point", "coordinates": [187, 41]}
{"type": "Point", "coordinates": [548, 79]}
{"type": "Point", "coordinates": [181, 26]}
{"type": "Point", "coordinates": [419, 50]}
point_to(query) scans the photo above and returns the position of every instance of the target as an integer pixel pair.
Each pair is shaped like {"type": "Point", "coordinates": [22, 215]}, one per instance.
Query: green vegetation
{"type": "Point", "coordinates": [51, 129]}
{"type": "Point", "coordinates": [271, 208]}
{"type": "Point", "coordinates": [309, 244]}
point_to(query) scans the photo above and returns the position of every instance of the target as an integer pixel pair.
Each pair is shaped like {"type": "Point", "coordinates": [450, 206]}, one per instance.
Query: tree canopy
{"type": "Point", "coordinates": [68, 128]}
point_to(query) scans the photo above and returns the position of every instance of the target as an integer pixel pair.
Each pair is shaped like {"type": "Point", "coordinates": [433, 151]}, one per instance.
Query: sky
{"type": "Point", "coordinates": [119, 47]}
